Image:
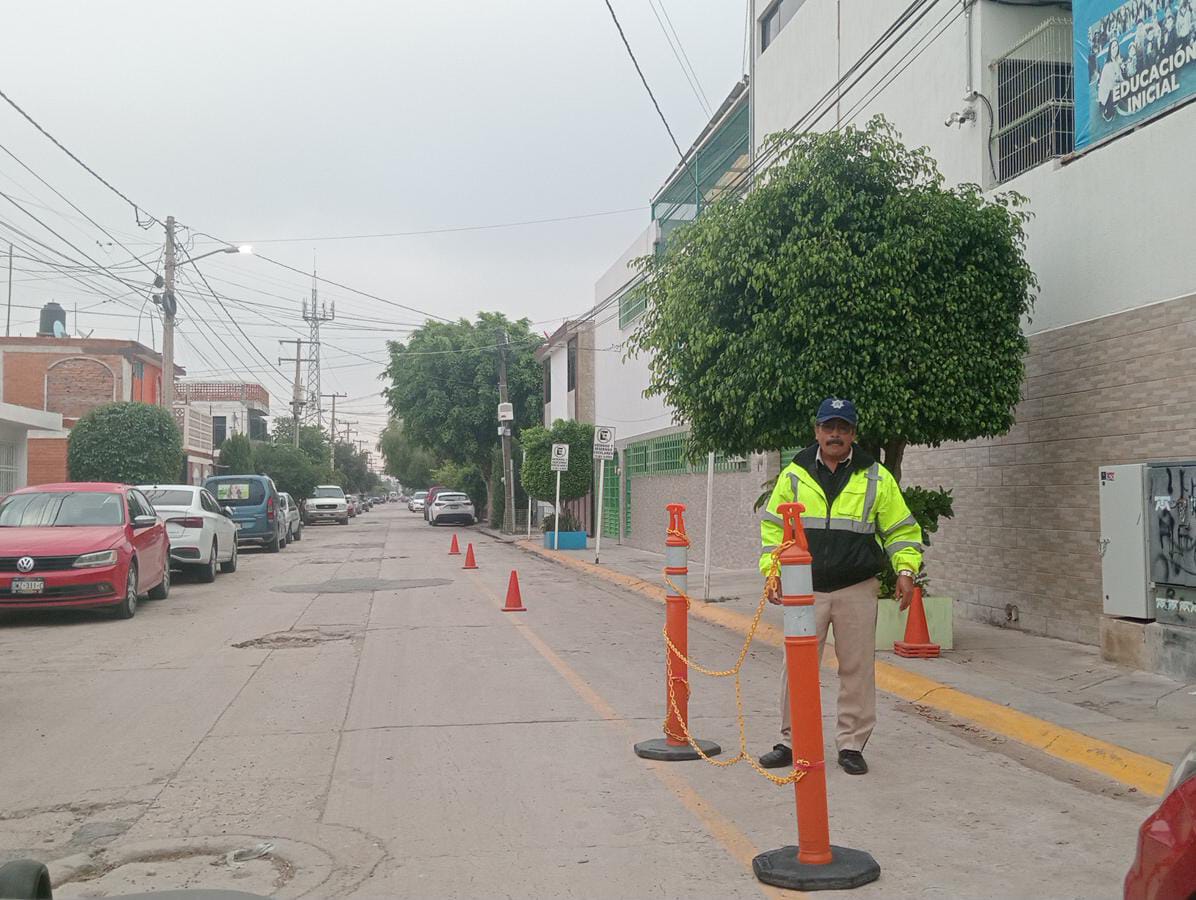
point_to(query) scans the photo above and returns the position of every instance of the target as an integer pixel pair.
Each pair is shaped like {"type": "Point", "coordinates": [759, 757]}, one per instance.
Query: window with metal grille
{"type": "Point", "coordinates": [669, 455]}
{"type": "Point", "coordinates": [1035, 107]}
{"type": "Point", "coordinates": [633, 301]}
{"type": "Point", "coordinates": [571, 359]}
{"type": "Point", "coordinates": [8, 468]}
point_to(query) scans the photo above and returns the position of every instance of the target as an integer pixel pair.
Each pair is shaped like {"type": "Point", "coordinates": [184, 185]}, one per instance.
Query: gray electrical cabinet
{"type": "Point", "coordinates": [1123, 542]}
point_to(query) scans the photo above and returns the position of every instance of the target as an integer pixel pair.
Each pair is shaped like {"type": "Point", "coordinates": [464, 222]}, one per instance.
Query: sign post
{"type": "Point", "coordinates": [560, 463]}
{"type": "Point", "coordinates": [604, 449]}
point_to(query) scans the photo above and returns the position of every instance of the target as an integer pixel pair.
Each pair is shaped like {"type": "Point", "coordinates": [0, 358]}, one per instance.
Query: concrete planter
{"type": "Point", "coordinates": [569, 540]}
{"type": "Point", "coordinates": [890, 623]}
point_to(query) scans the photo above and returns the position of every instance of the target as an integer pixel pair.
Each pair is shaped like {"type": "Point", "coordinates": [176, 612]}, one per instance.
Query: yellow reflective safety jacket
{"type": "Point", "coordinates": [850, 540]}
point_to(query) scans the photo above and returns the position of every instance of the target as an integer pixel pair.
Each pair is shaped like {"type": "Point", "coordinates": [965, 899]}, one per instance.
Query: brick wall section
{"type": "Point", "coordinates": [1027, 523]}
{"type": "Point", "coordinates": [74, 387]}
{"type": "Point", "coordinates": [47, 460]}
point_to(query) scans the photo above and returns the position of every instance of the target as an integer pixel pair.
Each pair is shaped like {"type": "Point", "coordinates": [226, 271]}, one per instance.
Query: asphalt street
{"type": "Point", "coordinates": [361, 702]}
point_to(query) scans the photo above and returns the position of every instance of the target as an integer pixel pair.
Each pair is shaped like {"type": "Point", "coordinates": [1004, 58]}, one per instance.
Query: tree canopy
{"type": "Point", "coordinates": [312, 439]}
{"type": "Point", "coordinates": [538, 478]}
{"type": "Point", "coordinates": [131, 443]}
{"type": "Point", "coordinates": [444, 386]}
{"type": "Point", "coordinates": [410, 464]}
{"type": "Point", "coordinates": [852, 272]}
{"type": "Point", "coordinates": [236, 456]}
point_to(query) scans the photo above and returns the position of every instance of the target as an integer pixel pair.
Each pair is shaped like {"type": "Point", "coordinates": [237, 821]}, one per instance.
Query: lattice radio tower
{"type": "Point", "coordinates": [314, 313]}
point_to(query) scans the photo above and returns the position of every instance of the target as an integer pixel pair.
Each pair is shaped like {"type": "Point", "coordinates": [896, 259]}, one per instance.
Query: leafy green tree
{"type": "Point", "coordinates": [354, 467]}
{"type": "Point", "coordinates": [410, 464]}
{"type": "Point", "coordinates": [291, 468]}
{"type": "Point", "coordinates": [852, 272]}
{"type": "Point", "coordinates": [312, 439]}
{"type": "Point", "coordinates": [131, 443]}
{"type": "Point", "coordinates": [538, 478]}
{"type": "Point", "coordinates": [236, 456]}
{"type": "Point", "coordinates": [465, 478]}
{"type": "Point", "coordinates": [444, 386]}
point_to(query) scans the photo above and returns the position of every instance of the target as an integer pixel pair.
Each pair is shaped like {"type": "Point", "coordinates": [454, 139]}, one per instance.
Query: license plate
{"type": "Point", "coordinates": [28, 585]}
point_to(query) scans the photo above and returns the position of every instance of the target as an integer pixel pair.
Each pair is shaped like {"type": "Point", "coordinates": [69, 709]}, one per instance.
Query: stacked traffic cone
{"type": "Point", "coordinates": [514, 598]}
{"type": "Point", "coordinates": [454, 547]}
{"type": "Point", "coordinates": [470, 562]}
{"type": "Point", "coordinates": [917, 634]}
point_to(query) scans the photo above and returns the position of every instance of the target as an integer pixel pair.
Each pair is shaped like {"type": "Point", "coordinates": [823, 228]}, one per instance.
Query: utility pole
{"type": "Point", "coordinates": [8, 317]}
{"type": "Point", "coordinates": [169, 308]}
{"type": "Point", "coordinates": [314, 315]}
{"type": "Point", "coordinates": [508, 507]}
{"type": "Point", "coordinates": [332, 426]}
{"type": "Point", "coordinates": [297, 401]}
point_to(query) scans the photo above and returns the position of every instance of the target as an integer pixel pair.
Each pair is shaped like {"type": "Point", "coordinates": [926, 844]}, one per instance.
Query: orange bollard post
{"type": "Point", "coordinates": [514, 598]}
{"type": "Point", "coordinates": [470, 562]}
{"type": "Point", "coordinates": [454, 547]}
{"type": "Point", "coordinates": [917, 643]}
{"type": "Point", "coordinates": [675, 746]}
{"type": "Point", "coordinates": [814, 864]}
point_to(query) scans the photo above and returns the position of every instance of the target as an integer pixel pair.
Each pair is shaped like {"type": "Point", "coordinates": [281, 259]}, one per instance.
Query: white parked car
{"type": "Point", "coordinates": [203, 536]}
{"type": "Point", "coordinates": [327, 503]}
{"type": "Point", "coordinates": [290, 514]}
{"type": "Point", "coordinates": [451, 506]}
{"type": "Point", "coordinates": [416, 503]}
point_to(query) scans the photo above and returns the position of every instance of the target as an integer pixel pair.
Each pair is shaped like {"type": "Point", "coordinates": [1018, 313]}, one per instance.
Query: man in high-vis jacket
{"type": "Point", "coordinates": [856, 522]}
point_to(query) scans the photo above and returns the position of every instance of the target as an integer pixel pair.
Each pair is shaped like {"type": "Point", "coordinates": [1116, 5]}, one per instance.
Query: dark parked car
{"type": "Point", "coordinates": [256, 508]}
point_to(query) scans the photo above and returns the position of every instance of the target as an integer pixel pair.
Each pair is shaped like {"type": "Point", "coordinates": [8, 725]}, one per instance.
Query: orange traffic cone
{"type": "Point", "coordinates": [454, 547]}
{"type": "Point", "coordinates": [470, 562]}
{"type": "Point", "coordinates": [917, 635]}
{"type": "Point", "coordinates": [514, 599]}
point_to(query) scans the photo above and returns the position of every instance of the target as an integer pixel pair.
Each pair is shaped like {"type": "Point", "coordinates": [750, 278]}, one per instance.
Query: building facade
{"type": "Point", "coordinates": [235, 407]}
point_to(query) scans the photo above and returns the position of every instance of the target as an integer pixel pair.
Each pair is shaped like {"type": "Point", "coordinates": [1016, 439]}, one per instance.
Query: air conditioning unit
{"type": "Point", "coordinates": [1124, 538]}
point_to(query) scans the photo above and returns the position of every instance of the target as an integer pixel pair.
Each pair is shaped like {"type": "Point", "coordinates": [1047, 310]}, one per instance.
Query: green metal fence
{"type": "Point", "coordinates": [610, 500]}
{"type": "Point", "coordinates": [668, 455]}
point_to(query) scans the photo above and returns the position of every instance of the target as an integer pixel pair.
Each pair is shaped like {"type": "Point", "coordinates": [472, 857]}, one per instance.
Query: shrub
{"type": "Point", "coordinates": [131, 443]}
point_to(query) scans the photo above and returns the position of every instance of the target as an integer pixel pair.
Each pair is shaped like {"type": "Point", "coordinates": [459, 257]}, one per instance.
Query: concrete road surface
{"type": "Point", "coordinates": [360, 702]}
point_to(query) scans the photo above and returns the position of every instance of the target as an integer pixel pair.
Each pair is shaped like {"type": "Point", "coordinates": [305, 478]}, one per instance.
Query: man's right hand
{"type": "Point", "coordinates": [772, 590]}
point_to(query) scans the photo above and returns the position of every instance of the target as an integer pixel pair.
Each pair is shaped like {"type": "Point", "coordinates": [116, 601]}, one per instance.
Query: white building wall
{"type": "Point", "coordinates": [559, 408]}
{"type": "Point", "coordinates": [619, 384]}
{"type": "Point", "coordinates": [1109, 230]}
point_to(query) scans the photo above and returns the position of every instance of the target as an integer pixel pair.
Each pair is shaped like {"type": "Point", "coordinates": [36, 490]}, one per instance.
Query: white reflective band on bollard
{"type": "Point", "coordinates": [676, 557]}
{"type": "Point", "coordinates": [796, 581]}
{"type": "Point", "coordinates": [682, 582]}
{"type": "Point", "coordinates": [799, 621]}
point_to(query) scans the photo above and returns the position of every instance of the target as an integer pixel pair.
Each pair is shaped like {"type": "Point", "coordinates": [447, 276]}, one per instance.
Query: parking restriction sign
{"type": "Point", "coordinates": [560, 457]}
{"type": "Point", "coordinates": [604, 442]}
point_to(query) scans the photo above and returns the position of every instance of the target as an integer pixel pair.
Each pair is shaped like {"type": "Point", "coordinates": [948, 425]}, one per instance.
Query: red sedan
{"type": "Point", "coordinates": [1165, 867]}
{"type": "Point", "coordinates": [79, 545]}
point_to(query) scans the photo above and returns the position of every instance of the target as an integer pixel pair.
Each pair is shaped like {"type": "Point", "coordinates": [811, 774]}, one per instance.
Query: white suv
{"type": "Point", "coordinates": [326, 502]}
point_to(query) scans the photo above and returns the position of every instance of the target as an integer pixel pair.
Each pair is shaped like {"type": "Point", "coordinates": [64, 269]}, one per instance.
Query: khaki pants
{"type": "Point", "coordinates": [852, 610]}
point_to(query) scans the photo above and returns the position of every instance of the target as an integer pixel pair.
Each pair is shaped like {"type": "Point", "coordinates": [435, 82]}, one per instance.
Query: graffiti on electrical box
{"type": "Point", "coordinates": [1173, 525]}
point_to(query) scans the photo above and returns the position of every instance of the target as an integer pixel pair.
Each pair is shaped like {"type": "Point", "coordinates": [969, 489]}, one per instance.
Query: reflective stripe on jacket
{"type": "Point", "coordinates": [850, 541]}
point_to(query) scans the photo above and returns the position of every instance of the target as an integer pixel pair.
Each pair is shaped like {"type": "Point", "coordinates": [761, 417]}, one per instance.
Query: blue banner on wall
{"type": "Point", "coordinates": [1133, 59]}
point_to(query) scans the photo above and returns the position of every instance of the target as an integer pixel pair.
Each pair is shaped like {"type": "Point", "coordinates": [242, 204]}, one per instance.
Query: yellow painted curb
{"type": "Point", "coordinates": [1144, 773]}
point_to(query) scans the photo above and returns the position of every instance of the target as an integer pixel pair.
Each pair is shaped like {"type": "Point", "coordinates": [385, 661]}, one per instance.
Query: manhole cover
{"type": "Point", "coordinates": [300, 637]}
{"type": "Point", "coordinates": [357, 585]}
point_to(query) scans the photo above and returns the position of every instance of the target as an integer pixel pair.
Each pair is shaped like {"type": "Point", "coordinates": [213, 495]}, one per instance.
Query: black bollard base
{"type": "Point", "coordinates": [660, 748]}
{"type": "Point", "coordinates": [847, 869]}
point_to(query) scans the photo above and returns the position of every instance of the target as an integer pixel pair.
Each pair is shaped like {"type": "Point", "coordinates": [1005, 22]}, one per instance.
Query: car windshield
{"type": "Point", "coordinates": [328, 492]}
{"type": "Point", "coordinates": [421, 495]}
{"type": "Point", "coordinates": [238, 493]}
{"type": "Point", "coordinates": [66, 508]}
{"type": "Point", "coordinates": [169, 496]}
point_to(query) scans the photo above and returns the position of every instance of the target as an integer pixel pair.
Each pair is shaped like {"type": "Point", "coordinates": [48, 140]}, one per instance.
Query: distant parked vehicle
{"type": "Point", "coordinates": [254, 503]}
{"type": "Point", "coordinates": [203, 537]}
{"type": "Point", "coordinates": [351, 502]}
{"type": "Point", "coordinates": [431, 498]}
{"type": "Point", "coordinates": [328, 502]}
{"type": "Point", "coordinates": [416, 503]}
{"type": "Point", "coordinates": [1165, 864]}
{"type": "Point", "coordinates": [82, 544]}
{"type": "Point", "coordinates": [293, 519]}
{"type": "Point", "coordinates": [451, 506]}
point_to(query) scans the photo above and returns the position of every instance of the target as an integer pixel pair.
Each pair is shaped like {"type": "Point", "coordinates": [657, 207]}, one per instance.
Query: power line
{"type": "Point", "coordinates": [136, 208]}
{"type": "Point", "coordinates": [698, 93]}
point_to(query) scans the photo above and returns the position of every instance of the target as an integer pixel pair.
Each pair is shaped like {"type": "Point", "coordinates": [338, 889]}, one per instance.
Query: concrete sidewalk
{"type": "Point", "coordinates": [1057, 681]}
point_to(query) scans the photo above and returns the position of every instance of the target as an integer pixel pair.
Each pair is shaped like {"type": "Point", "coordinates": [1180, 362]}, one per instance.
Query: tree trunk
{"type": "Point", "coordinates": [894, 453]}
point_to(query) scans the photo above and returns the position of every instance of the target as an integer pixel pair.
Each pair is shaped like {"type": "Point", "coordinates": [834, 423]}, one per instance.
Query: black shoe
{"type": "Point", "coordinates": [778, 757]}
{"type": "Point", "coordinates": [852, 762]}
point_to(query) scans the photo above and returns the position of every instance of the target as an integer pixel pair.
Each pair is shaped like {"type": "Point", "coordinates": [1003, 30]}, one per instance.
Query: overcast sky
{"type": "Point", "coordinates": [256, 121]}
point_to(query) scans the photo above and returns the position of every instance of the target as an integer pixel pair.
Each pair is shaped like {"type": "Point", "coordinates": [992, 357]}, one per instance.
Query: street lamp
{"type": "Point", "coordinates": [169, 307]}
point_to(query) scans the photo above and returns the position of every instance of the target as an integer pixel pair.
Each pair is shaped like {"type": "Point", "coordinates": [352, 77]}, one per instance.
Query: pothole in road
{"type": "Point", "coordinates": [103, 874]}
{"type": "Point", "coordinates": [300, 637]}
{"type": "Point", "coordinates": [357, 585]}
{"type": "Point", "coordinates": [337, 562]}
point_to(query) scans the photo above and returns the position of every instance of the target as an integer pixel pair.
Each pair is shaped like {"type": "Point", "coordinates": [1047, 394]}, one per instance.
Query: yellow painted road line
{"type": "Point", "coordinates": [1144, 773]}
{"type": "Point", "coordinates": [721, 828]}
